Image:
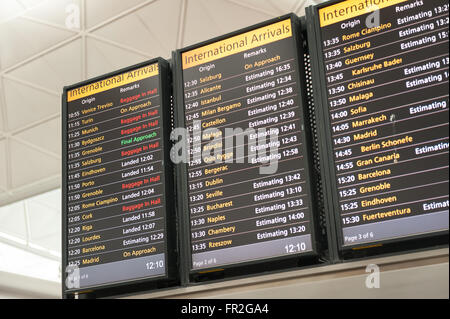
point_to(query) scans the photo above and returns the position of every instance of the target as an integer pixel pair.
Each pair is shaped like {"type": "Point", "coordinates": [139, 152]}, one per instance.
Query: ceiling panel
{"type": "Point", "coordinates": [97, 11]}
{"type": "Point", "coordinates": [286, 6]}
{"type": "Point", "coordinates": [45, 225]}
{"type": "Point", "coordinates": [105, 58]}
{"type": "Point", "coordinates": [31, 165]}
{"type": "Point", "coordinates": [203, 22]}
{"type": "Point", "coordinates": [26, 105]}
{"type": "Point", "coordinates": [61, 67]}
{"type": "Point", "coordinates": [301, 5]}
{"type": "Point", "coordinates": [116, 32]}
{"type": "Point", "coordinates": [269, 7]}
{"type": "Point", "coordinates": [4, 196]}
{"type": "Point", "coordinates": [52, 132]}
{"type": "Point", "coordinates": [26, 38]}
{"type": "Point", "coordinates": [164, 25]}
{"type": "Point", "coordinates": [55, 11]}
{"type": "Point", "coordinates": [1, 110]}
{"type": "Point", "coordinates": [29, 4]}
{"type": "Point", "coordinates": [49, 199]}
{"type": "Point", "coordinates": [12, 221]}
{"type": "Point", "coordinates": [146, 25]}
{"type": "Point", "coordinates": [9, 8]}
{"type": "Point", "coordinates": [3, 172]}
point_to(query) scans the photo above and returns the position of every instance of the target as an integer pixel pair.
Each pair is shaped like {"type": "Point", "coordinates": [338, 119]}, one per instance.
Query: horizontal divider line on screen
{"type": "Point", "coordinates": [404, 203]}
{"type": "Point", "coordinates": [252, 205]}
{"type": "Point", "coordinates": [393, 191]}
{"type": "Point", "coordinates": [390, 123]}
{"type": "Point", "coordinates": [117, 171]}
{"type": "Point", "coordinates": [244, 96]}
{"type": "Point", "coordinates": [111, 251]}
{"type": "Point", "coordinates": [384, 137]}
{"type": "Point", "coordinates": [244, 169]}
{"type": "Point", "coordinates": [100, 186]}
{"type": "Point", "coordinates": [390, 164]}
{"type": "Point", "coordinates": [240, 74]}
{"type": "Point", "coordinates": [391, 95]}
{"type": "Point", "coordinates": [391, 82]}
{"type": "Point", "coordinates": [253, 231]}
{"type": "Point", "coordinates": [119, 138]}
{"type": "Point", "coordinates": [108, 120]}
{"type": "Point", "coordinates": [109, 206]}
{"type": "Point", "coordinates": [294, 132]}
{"type": "Point", "coordinates": [239, 86]}
{"type": "Point", "coordinates": [385, 32]}
{"type": "Point", "coordinates": [121, 226]}
{"type": "Point", "coordinates": [116, 128]}
{"type": "Point", "coordinates": [245, 219]}
{"type": "Point", "coordinates": [242, 157]}
{"type": "Point", "coordinates": [113, 108]}
{"type": "Point", "coordinates": [252, 192]}
{"type": "Point", "coordinates": [394, 177]}
{"type": "Point", "coordinates": [387, 70]}
{"type": "Point", "coordinates": [387, 57]}
{"type": "Point", "coordinates": [393, 42]}
{"type": "Point", "coordinates": [248, 180]}
{"type": "Point", "coordinates": [390, 109]}
{"type": "Point", "coordinates": [395, 148]}
{"type": "Point", "coordinates": [106, 163]}
{"type": "Point", "coordinates": [293, 108]}
{"type": "Point", "coordinates": [105, 218]}
{"type": "Point", "coordinates": [113, 150]}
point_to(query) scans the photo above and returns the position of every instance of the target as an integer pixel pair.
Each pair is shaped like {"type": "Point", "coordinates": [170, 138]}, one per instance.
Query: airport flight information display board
{"type": "Point", "coordinates": [115, 182]}
{"type": "Point", "coordinates": [385, 73]}
{"type": "Point", "coordinates": [246, 80]}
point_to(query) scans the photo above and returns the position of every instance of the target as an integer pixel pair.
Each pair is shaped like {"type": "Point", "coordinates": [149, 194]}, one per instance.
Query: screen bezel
{"type": "Point", "coordinates": [329, 173]}
{"type": "Point", "coordinates": [163, 78]}
{"type": "Point", "coordinates": [182, 168]}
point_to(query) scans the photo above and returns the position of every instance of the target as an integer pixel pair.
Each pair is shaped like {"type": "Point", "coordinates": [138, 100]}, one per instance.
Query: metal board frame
{"type": "Point", "coordinates": [171, 276]}
{"type": "Point", "coordinates": [340, 253]}
{"type": "Point", "coordinates": [265, 264]}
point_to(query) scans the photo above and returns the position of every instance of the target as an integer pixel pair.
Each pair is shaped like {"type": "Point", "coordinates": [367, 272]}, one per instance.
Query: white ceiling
{"type": "Point", "coordinates": [39, 54]}
{"type": "Point", "coordinates": [33, 225]}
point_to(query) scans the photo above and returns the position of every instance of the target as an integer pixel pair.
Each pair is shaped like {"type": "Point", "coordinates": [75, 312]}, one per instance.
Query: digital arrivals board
{"type": "Point", "coordinates": [385, 81]}
{"type": "Point", "coordinates": [116, 179]}
{"type": "Point", "coordinates": [235, 214]}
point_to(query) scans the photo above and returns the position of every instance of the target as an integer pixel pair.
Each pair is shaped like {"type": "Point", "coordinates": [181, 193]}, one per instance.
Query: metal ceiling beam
{"type": "Point", "coordinates": [32, 85]}
{"type": "Point", "coordinates": [38, 252]}
{"type": "Point", "coordinates": [181, 23]}
{"type": "Point", "coordinates": [118, 45]}
{"type": "Point", "coordinates": [19, 286]}
{"type": "Point", "coordinates": [22, 12]}
{"type": "Point", "coordinates": [256, 8]}
{"type": "Point", "coordinates": [41, 53]}
{"type": "Point", "coordinates": [48, 24]}
{"type": "Point", "coordinates": [31, 189]}
{"type": "Point", "coordinates": [120, 15]}
{"type": "Point", "coordinates": [35, 147]}
{"type": "Point", "coordinates": [84, 57]}
{"type": "Point", "coordinates": [36, 123]}
{"type": "Point", "coordinates": [139, 18]}
{"type": "Point", "coordinates": [300, 4]}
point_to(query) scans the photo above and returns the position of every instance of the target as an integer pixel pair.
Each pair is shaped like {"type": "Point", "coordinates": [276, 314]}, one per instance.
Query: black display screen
{"type": "Point", "coordinates": [115, 196]}
{"type": "Point", "coordinates": [236, 213]}
{"type": "Point", "coordinates": [386, 70]}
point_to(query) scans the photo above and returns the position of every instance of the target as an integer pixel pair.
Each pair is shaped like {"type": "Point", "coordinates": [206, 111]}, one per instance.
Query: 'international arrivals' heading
{"type": "Point", "coordinates": [352, 8]}
{"type": "Point", "coordinates": [237, 44]}
{"type": "Point", "coordinates": [113, 82]}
